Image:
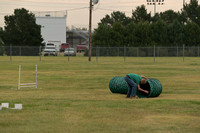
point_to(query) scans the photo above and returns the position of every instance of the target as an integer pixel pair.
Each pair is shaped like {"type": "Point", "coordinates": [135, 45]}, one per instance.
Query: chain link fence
{"type": "Point", "coordinates": [20, 51]}
{"type": "Point", "coordinates": [108, 51]}
{"type": "Point", "coordinates": [146, 51]}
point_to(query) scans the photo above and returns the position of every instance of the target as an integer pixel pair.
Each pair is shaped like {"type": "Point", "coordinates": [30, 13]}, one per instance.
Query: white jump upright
{"type": "Point", "coordinates": [20, 85]}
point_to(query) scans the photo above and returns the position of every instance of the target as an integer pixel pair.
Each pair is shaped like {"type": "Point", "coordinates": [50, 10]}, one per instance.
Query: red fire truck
{"type": "Point", "coordinates": [81, 47]}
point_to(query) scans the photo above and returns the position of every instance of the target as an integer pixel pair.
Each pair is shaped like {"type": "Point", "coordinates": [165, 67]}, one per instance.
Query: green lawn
{"type": "Point", "coordinates": [74, 97]}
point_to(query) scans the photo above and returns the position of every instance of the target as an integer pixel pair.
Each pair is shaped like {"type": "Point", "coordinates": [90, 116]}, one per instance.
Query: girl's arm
{"type": "Point", "coordinates": [140, 89]}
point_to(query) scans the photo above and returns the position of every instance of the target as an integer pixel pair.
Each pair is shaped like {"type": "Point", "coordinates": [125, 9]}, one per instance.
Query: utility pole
{"type": "Point", "coordinates": [154, 8]}
{"type": "Point", "coordinates": [90, 31]}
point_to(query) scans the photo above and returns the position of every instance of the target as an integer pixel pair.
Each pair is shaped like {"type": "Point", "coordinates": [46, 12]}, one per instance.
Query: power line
{"type": "Point", "coordinates": [72, 9]}
{"type": "Point", "coordinates": [22, 2]}
{"type": "Point", "coordinates": [81, 8]}
{"type": "Point", "coordinates": [44, 2]}
{"type": "Point", "coordinates": [104, 4]}
{"type": "Point", "coordinates": [37, 4]}
{"type": "Point", "coordinates": [112, 10]}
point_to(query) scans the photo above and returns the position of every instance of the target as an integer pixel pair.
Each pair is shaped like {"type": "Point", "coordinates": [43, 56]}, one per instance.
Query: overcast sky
{"type": "Point", "coordinates": [78, 11]}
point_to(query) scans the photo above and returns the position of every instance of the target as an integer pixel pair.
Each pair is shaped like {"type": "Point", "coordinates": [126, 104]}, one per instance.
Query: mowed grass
{"type": "Point", "coordinates": [74, 97]}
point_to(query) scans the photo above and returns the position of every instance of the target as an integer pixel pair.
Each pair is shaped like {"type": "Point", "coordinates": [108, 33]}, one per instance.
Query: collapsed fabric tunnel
{"type": "Point", "coordinates": [119, 85]}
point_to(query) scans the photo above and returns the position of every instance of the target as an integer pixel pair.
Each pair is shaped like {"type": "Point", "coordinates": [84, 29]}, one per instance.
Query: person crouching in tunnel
{"type": "Point", "coordinates": [134, 82]}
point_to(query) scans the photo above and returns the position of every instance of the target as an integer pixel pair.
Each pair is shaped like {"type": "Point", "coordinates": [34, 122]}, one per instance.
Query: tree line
{"type": "Point", "coordinates": [167, 28]}
{"type": "Point", "coordinates": [20, 30]}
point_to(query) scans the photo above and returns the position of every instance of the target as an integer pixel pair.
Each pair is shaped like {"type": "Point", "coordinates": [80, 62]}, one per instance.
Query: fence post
{"type": "Point", "coordinates": [198, 51]}
{"type": "Point", "coordinates": [124, 54]}
{"type": "Point", "coordinates": [183, 51]}
{"type": "Point", "coordinates": [158, 49]}
{"type": "Point", "coordinates": [177, 51]}
{"type": "Point", "coordinates": [36, 75]}
{"type": "Point", "coordinates": [137, 51]}
{"type": "Point", "coordinates": [154, 54]}
{"type": "Point", "coordinates": [99, 51]}
{"type": "Point", "coordinates": [118, 51]}
{"type": "Point", "coordinates": [19, 77]}
{"type": "Point", "coordinates": [40, 53]}
{"type": "Point", "coordinates": [68, 54]}
{"type": "Point", "coordinates": [11, 53]}
{"type": "Point", "coordinates": [96, 54]}
{"type": "Point", "coordinates": [20, 51]}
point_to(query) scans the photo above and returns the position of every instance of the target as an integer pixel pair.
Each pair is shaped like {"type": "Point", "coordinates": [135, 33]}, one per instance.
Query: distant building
{"type": "Point", "coordinates": [53, 26]}
{"type": "Point", "coordinates": [53, 29]}
{"type": "Point", "coordinates": [77, 36]}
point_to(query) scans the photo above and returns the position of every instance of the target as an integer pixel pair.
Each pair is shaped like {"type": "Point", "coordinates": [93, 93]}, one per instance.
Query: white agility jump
{"type": "Point", "coordinates": [20, 85]}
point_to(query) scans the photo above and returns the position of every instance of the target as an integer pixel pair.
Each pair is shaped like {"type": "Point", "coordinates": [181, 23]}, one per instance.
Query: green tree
{"type": "Point", "coordinates": [159, 33]}
{"type": "Point", "coordinates": [130, 34]}
{"type": "Point", "coordinates": [107, 20]}
{"type": "Point", "coordinates": [101, 35]}
{"type": "Point", "coordinates": [141, 15]}
{"type": "Point", "coordinates": [192, 11]}
{"type": "Point", "coordinates": [192, 34]}
{"type": "Point", "coordinates": [117, 35]}
{"type": "Point", "coordinates": [169, 16]}
{"type": "Point", "coordinates": [155, 18]}
{"type": "Point", "coordinates": [182, 17]}
{"type": "Point", "coordinates": [165, 28]}
{"type": "Point", "coordinates": [175, 33]}
{"type": "Point", "coordinates": [117, 16]}
{"type": "Point", "coordinates": [143, 34]}
{"type": "Point", "coordinates": [21, 29]}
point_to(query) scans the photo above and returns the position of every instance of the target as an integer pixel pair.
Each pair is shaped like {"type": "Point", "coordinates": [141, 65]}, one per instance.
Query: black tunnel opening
{"type": "Point", "coordinates": [144, 87]}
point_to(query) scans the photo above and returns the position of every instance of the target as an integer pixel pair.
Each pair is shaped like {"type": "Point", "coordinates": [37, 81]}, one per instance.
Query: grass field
{"type": "Point", "coordinates": [74, 96]}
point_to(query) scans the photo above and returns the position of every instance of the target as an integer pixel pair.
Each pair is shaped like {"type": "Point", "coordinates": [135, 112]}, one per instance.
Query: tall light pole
{"type": "Point", "coordinates": [90, 31]}
{"type": "Point", "coordinates": [155, 2]}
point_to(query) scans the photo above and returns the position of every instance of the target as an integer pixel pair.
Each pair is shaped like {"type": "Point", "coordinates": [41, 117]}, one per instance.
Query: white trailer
{"type": "Point", "coordinates": [53, 27]}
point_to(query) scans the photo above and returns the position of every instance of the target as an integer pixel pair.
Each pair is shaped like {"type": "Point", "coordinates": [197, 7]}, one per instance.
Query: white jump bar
{"type": "Point", "coordinates": [28, 84]}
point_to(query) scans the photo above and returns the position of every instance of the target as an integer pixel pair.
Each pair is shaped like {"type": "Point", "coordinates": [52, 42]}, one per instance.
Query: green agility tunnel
{"type": "Point", "coordinates": [119, 85]}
